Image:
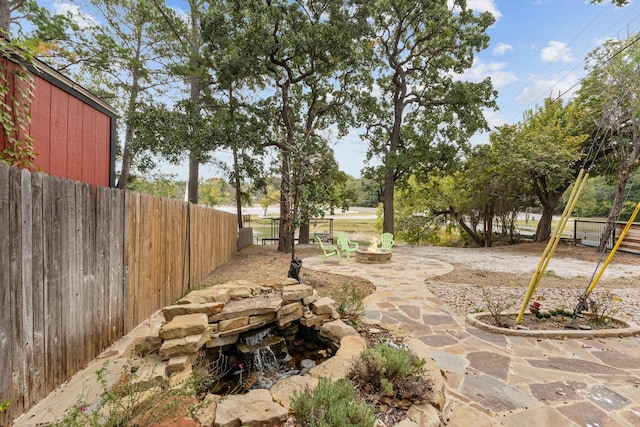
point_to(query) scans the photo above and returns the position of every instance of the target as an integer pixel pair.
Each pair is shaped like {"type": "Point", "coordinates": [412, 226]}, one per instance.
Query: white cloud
{"type": "Point", "coordinates": [481, 6]}
{"type": "Point", "coordinates": [83, 20]}
{"type": "Point", "coordinates": [496, 70]}
{"type": "Point", "coordinates": [485, 6]}
{"type": "Point", "coordinates": [556, 52]}
{"type": "Point", "coordinates": [502, 48]}
{"type": "Point", "coordinates": [494, 118]}
{"type": "Point", "coordinates": [538, 89]}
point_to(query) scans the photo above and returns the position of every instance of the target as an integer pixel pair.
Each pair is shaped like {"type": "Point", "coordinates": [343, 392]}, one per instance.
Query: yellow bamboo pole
{"type": "Point", "coordinates": [553, 242]}
{"type": "Point", "coordinates": [613, 251]}
{"type": "Point", "coordinates": [563, 222]}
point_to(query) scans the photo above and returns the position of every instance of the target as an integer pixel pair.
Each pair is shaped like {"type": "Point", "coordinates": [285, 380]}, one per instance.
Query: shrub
{"type": "Point", "coordinates": [350, 301]}
{"type": "Point", "coordinates": [331, 404]}
{"type": "Point", "coordinates": [392, 371]}
{"type": "Point", "coordinates": [497, 305]}
{"type": "Point", "coordinates": [602, 308]}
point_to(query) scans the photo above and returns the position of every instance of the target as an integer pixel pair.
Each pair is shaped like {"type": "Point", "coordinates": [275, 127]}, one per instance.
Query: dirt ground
{"type": "Point", "coordinates": [264, 261]}
{"type": "Point", "coordinates": [259, 262]}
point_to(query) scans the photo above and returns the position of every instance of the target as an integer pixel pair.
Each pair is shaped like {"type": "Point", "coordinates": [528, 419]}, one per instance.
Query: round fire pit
{"type": "Point", "coordinates": [366, 257]}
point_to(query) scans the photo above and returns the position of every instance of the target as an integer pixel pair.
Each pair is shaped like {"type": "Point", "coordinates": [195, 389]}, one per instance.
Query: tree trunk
{"type": "Point", "coordinates": [5, 16]}
{"type": "Point", "coordinates": [387, 199]}
{"type": "Point", "coordinates": [488, 227]}
{"type": "Point", "coordinates": [286, 216]}
{"type": "Point", "coordinates": [471, 232]}
{"type": "Point", "coordinates": [125, 172]}
{"type": "Point", "coordinates": [127, 154]}
{"type": "Point", "coordinates": [238, 185]}
{"type": "Point", "coordinates": [303, 234]}
{"type": "Point", "coordinates": [195, 88]}
{"type": "Point", "coordinates": [616, 208]}
{"type": "Point", "coordinates": [543, 231]}
{"type": "Point", "coordinates": [194, 166]}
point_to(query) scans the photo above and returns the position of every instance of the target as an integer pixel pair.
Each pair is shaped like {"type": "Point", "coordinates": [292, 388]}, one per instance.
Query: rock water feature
{"type": "Point", "coordinates": [263, 358]}
{"type": "Point", "coordinates": [250, 335]}
{"type": "Point", "coordinates": [235, 329]}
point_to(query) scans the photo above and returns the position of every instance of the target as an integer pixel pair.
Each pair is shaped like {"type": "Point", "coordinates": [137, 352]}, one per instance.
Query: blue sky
{"type": "Point", "coordinates": [537, 49]}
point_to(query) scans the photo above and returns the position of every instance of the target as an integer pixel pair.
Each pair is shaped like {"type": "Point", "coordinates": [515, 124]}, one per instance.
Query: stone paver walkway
{"type": "Point", "coordinates": [493, 379]}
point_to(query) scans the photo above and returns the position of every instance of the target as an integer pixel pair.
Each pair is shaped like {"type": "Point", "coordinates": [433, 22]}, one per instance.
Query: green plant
{"type": "Point", "coordinates": [120, 404]}
{"type": "Point", "coordinates": [331, 404]}
{"type": "Point", "coordinates": [392, 370]}
{"type": "Point", "coordinates": [16, 92]}
{"type": "Point", "coordinates": [4, 405]}
{"type": "Point", "coordinates": [601, 307]}
{"type": "Point", "coordinates": [350, 301]}
{"type": "Point", "coordinates": [496, 305]}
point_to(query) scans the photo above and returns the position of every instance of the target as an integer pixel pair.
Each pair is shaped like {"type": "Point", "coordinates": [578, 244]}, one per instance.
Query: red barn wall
{"type": "Point", "coordinates": [73, 134]}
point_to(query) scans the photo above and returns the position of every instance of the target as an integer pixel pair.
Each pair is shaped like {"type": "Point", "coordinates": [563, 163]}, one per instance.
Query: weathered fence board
{"type": "Point", "coordinates": [84, 266]}
{"type": "Point", "coordinates": [631, 242]}
{"type": "Point", "coordinates": [6, 367]}
{"type": "Point", "coordinates": [38, 386]}
{"type": "Point", "coordinates": [15, 261]}
{"type": "Point", "coordinates": [26, 264]}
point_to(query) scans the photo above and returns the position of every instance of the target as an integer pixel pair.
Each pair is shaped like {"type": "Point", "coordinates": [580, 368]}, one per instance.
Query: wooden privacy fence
{"type": "Point", "coordinates": [79, 268]}
{"type": "Point", "coordinates": [589, 232]}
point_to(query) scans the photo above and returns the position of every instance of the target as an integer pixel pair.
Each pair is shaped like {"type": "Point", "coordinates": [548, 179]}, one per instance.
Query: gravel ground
{"type": "Point", "coordinates": [504, 274]}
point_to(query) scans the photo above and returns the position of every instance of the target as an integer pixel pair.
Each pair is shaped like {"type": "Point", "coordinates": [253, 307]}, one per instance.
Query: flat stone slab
{"type": "Point", "coordinates": [438, 319]}
{"type": "Point", "coordinates": [574, 365]}
{"type": "Point", "coordinates": [210, 309]}
{"type": "Point", "coordinates": [496, 395]}
{"type": "Point", "coordinates": [617, 359]}
{"type": "Point", "coordinates": [557, 391]}
{"type": "Point", "coordinates": [448, 361]}
{"type": "Point", "coordinates": [255, 408]}
{"type": "Point", "coordinates": [586, 414]}
{"type": "Point", "coordinates": [606, 398]}
{"type": "Point", "coordinates": [490, 363]}
{"type": "Point", "coordinates": [248, 307]}
{"type": "Point", "coordinates": [184, 325]}
{"type": "Point", "coordinates": [296, 292]}
{"type": "Point", "coordinates": [438, 340]}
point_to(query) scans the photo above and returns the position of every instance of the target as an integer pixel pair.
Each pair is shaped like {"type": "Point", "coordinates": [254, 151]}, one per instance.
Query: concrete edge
{"type": "Point", "coordinates": [631, 330]}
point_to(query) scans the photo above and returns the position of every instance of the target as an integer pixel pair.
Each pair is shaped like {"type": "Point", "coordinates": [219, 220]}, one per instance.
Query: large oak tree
{"type": "Point", "coordinates": [421, 110]}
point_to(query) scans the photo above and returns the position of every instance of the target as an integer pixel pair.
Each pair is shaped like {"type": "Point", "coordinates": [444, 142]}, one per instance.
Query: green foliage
{"type": "Point", "coordinates": [4, 405]}
{"type": "Point", "coordinates": [331, 404]}
{"type": "Point", "coordinates": [131, 397]}
{"type": "Point", "coordinates": [602, 307]}
{"type": "Point", "coordinates": [16, 91]}
{"type": "Point", "coordinates": [158, 184]}
{"type": "Point", "coordinates": [215, 192]}
{"type": "Point", "coordinates": [609, 101]}
{"type": "Point", "coordinates": [423, 117]}
{"type": "Point", "coordinates": [392, 370]}
{"type": "Point", "coordinates": [350, 301]}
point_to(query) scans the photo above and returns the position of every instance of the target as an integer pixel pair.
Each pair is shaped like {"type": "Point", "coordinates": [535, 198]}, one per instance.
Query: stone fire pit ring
{"type": "Point", "coordinates": [371, 257]}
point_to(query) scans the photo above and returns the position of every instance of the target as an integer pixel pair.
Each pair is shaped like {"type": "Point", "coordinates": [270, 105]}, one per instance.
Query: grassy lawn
{"type": "Point", "coordinates": [262, 226]}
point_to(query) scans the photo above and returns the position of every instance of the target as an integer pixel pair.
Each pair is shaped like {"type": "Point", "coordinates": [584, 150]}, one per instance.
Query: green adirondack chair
{"type": "Point", "coordinates": [345, 245]}
{"type": "Point", "coordinates": [386, 241]}
{"type": "Point", "coordinates": [328, 250]}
